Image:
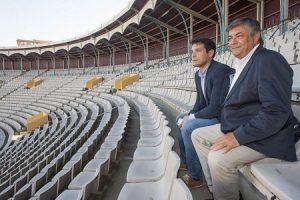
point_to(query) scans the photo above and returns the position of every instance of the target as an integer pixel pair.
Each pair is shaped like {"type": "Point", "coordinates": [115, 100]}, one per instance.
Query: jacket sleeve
{"type": "Point", "coordinates": [212, 110]}
{"type": "Point", "coordinates": [274, 82]}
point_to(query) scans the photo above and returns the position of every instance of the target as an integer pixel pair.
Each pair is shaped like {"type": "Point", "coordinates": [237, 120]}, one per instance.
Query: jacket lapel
{"type": "Point", "coordinates": [207, 77]}
{"type": "Point", "coordinates": [243, 74]}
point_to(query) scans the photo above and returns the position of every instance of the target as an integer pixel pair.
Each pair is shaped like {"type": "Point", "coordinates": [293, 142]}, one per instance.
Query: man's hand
{"type": "Point", "coordinates": [181, 122]}
{"type": "Point", "coordinates": [226, 142]}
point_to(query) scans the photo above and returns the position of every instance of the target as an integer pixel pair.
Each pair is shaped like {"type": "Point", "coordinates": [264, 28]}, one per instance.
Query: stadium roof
{"type": "Point", "coordinates": [150, 19]}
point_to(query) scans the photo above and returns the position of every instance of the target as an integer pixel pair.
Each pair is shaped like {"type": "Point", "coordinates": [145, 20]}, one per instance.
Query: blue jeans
{"type": "Point", "coordinates": [188, 153]}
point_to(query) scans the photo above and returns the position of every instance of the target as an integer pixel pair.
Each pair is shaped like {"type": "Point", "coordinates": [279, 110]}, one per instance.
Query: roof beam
{"type": "Point", "coordinates": [85, 53]}
{"type": "Point", "coordinates": [165, 25]}
{"type": "Point", "coordinates": [4, 56]}
{"type": "Point", "coordinates": [189, 11]}
{"type": "Point", "coordinates": [144, 34]}
{"type": "Point", "coordinates": [100, 51]}
{"type": "Point", "coordinates": [129, 41]}
{"type": "Point", "coordinates": [94, 48]}
{"type": "Point", "coordinates": [114, 46]}
{"type": "Point", "coordinates": [72, 56]}
{"type": "Point", "coordinates": [111, 45]}
{"type": "Point", "coordinates": [255, 1]}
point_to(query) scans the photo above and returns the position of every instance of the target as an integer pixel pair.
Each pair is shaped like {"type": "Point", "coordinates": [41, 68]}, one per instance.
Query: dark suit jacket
{"type": "Point", "coordinates": [210, 106]}
{"type": "Point", "coordinates": [258, 107]}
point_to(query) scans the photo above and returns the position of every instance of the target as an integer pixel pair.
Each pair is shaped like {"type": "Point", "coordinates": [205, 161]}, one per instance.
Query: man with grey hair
{"type": "Point", "coordinates": [256, 119]}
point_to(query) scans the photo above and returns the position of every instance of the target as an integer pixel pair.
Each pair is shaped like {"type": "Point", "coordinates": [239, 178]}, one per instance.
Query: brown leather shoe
{"type": "Point", "coordinates": [183, 167]}
{"type": "Point", "coordinates": [192, 183]}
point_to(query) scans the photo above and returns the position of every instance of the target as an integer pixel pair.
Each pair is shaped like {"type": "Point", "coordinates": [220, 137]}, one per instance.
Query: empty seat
{"type": "Point", "coordinates": [158, 189]}
{"type": "Point", "coordinates": [96, 165]}
{"type": "Point", "coordinates": [180, 191]}
{"type": "Point", "coordinates": [24, 193]}
{"type": "Point", "coordinates": [70, 194]}
{"type": "Point", "coordinates": [154, 132]}
{"type": "Point", "coordinates": [7, 192]}
{"type": "Point", "coordinates": [147, 170]}
{"type": "Point", "coordinates": [63, 178]}
{"type": "Point", "coordinates": [282, 179]}
{"type": "Point", "coordinates": [47, 192]}
{"type": "Point", "coordinates": [38, 181]}
{"type": "Point", "coordinates": [154, 141]}
{"type": "Point", "coordinates": [153, 153]}
{"type": "Point", "coordinates": [50, 170]}
{"type": "Point", "coordinates": [4, 185]}
{"type": "Point", "coordinates": [20, 182]}
{"type": "Point", "coordinates": [110, 147]}
{"type": "Point", "coordinates": [88, 182]}
{"type": "Point", "coordinates": [74, 165]}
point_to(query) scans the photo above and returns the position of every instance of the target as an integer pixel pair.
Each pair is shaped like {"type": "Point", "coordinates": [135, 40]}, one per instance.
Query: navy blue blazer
{"type": "Point", "coordinates": [258, 107]}
{"type": "Point", "coordinates": [210, 107]}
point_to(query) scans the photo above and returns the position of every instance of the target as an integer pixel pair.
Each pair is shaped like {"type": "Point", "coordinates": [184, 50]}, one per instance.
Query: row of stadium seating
{"type": "Point", "coordinates": [152, 174]}
{"type": "Point", "coordinates": [57, 99]}
{"type": "Point", "coordinates": [38, 156]}
{"type": "Point", "coordinates": [67, 157]}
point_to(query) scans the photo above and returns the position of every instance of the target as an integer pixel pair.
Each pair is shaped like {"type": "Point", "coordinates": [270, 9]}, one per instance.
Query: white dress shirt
{"type": "Point", "coordinates": [239, 65]}
{"type": "Point", "coordinates": [201, 74]}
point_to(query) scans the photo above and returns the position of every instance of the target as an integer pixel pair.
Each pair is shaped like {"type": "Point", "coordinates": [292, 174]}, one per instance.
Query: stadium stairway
{"type": "Point", "coordinates": [117, 177]}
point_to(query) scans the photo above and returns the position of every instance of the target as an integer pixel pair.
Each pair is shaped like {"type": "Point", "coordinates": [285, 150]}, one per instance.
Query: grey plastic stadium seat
{"type": "Point", "coordinates": [74, 165]}
{"type": "Point", "coordinates": [103, 153]}
{"type": "Point", "coordinates": [63, 178]}
{"type": "Point", "coordinates": [158, 189]}
{"type": "Point", "coordinates": [112, 147]}
{"type": "Point", "coordinates": [71, 194]}
{"type": "Point", "coordinates": [83, 156]}
{"type": "Point", "coordinates": [7, 192]}
{"type": "Point", "coordinates": [50, 170]}
{"type": "Point", "coordinates": [282, 179]}
{"type": "Point", "coordinates": [4, 185]}
{"type": "Point", "coordinates": [20, 182]}
{"type": "Point", "coordinates": [180, 191]}
{"type": "Point", "coordinates": [154, 141]}
{"type": "Point", "coordinates": [24, 193]}
{"type": "Point", "coordinates": [153, 153]}
{"type": "Point", "coordinates": [88, 182]}
{"type": "Point", "coordinates": [14, 177]}
{"type": "Point", "coordinates": [148, 170]}
{"type": "Point", "coordinates": [154, 132]}
{"type": "Point", "coordinates": [38, 181]}
{"type": "Point", "coordinates": [47, 192]}
{"type": "Point", "coordinates": [96, 165]}
{"type": "Point", "coordinates": [250, 187]}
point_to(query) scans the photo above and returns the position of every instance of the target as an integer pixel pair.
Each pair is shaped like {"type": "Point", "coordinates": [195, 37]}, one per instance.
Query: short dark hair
{"type": "Point", "coordinates": [249, 22]}
{"type": "Point", "coordinates": [208, 43]}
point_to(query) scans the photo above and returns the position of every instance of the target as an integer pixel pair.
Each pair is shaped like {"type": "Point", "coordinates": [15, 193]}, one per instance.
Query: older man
{"type": "Point", "coordinates": [256, 119]}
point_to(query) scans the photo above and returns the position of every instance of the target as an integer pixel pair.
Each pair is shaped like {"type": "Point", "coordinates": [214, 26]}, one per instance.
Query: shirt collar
{"type": "Point", "coordinates": [202, 73]}
{"type": "Point", "coordinates": [248, 56]}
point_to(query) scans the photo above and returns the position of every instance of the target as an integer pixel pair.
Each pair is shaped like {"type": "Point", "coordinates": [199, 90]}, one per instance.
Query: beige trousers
{"type": "Point", "coordinates": [221, 169]}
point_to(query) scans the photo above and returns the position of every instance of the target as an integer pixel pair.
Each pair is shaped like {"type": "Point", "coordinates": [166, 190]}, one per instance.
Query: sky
{"type": "Point", "coordinates": [53, 20]}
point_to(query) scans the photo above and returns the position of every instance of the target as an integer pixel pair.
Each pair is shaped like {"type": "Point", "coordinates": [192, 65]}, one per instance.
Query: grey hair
{"type": "Point", "coordinates": [249, 22]}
